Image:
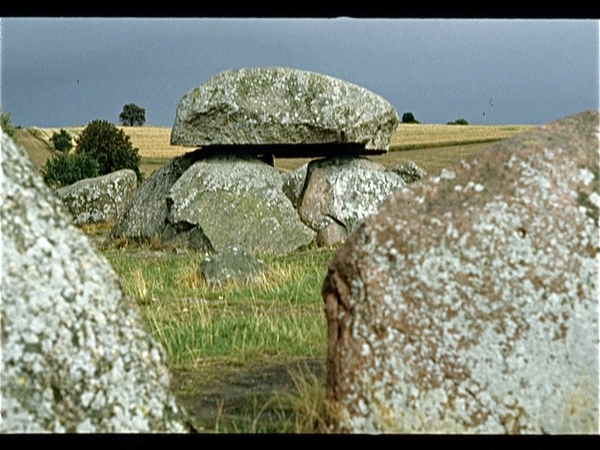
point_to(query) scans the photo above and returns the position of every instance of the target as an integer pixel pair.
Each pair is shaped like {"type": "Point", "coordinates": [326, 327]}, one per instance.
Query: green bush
{"type": "Point", "coordinates": [409, 117]}
{"type": "Point", "coordinates": [460, 121]}
{"type": "Point", "coordinates": [62, 141]}
{"type": "Point", "coordinates": [6, 126]}
{"type": "Point", "coordinates": [66, 169]}
{"type": "Point", "coordinates": [111, 147]}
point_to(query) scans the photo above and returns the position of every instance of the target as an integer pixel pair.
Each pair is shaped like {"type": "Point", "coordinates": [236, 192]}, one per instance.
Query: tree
{"type": "Point", "coordinates": [132, 115]}
{"type": "Point", "coordinates": [110, 146]}
{"type": "Point", "coordinates": [62, 141]}
{"type": "Point", "coordinates": [409, 117]}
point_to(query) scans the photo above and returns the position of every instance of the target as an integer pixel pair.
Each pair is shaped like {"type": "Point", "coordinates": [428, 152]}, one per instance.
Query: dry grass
{"type": "Point", "coordinates": [152, 142]}
{"type": "Point", "coordinates": [411, 136]}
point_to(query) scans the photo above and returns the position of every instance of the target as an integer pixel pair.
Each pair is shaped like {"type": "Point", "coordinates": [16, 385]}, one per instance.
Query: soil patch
{"type": "Point", "coordinates": [230, 397]}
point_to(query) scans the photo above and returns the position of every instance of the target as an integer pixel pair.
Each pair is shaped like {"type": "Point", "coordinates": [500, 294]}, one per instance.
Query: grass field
{"type": "Point", "coordinates": [250, 357]}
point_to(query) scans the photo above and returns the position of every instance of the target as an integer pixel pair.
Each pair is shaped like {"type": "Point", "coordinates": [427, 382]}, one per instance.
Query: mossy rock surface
{"type": "Point", "coordinates": [237, 200]}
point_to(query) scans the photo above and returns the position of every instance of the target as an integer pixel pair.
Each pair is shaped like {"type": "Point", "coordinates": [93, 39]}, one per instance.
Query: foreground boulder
{"type": "Point", "coordinates": [100, 199]}
{"type": "Point", "coordinates": [236, 200]}
{"type": "Point", "coordinates": [469, 303]}
{"type": "Point", "coordinates": [339, 193]}
{"type": "Point", "coordinates": [291, 112]}
{"type": "Point", "coordinates": [75, 354]}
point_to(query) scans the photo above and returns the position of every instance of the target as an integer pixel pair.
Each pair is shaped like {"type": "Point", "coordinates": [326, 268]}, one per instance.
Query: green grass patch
{"type": "Point", "coordinates": [278, 314]}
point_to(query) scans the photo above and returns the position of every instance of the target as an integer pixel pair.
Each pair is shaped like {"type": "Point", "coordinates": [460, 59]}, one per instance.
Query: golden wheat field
{"type": "Point", "coordinates": [410, 136]}
{"type": "Point", "coordinates": [154, 142]}
{"type": "Point", "coordinates": [431, 146]}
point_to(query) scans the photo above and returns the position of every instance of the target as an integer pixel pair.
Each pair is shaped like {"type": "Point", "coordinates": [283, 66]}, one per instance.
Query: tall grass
{"type": "Point", "coordinates": [278, 314]}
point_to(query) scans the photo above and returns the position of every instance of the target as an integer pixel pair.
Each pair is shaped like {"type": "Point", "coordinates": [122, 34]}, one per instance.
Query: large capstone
{"type": "Point", "coordinates": [286, 113]}
{"type": "Point", "coordinates": [76, 356]}
{"type": "Point", "coordinates": [469, 302]}
{"type": "Point", "coordinates": [99, 199]}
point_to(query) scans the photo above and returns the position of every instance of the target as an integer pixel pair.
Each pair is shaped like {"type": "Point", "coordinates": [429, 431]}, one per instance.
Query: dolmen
{"type": "Point", "coordinates": [76, 356]}
{"type": "Point", "coordinates": [469, 302]}
{"type": "Point", "coordinates": [226, 192]}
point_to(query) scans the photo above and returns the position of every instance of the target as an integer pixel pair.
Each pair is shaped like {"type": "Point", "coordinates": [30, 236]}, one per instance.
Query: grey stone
{"type": "Point", "coordinates": [145, 216]}
{"type": "Point", "coordinates": [469, 302]}
{"type": "Point", "coordinates": [344, 190]}
{"type": "Point", "coordinates": [233, 263]}
{"type": "Point", "coordinates": [237, 200]}
{"type": "Point", "coordinates": [280, 108]}
{"type": "Point", "coordinates": [409, 171]}
{"type": "Point", "coordinates": [75, 354]}
{"type": "Point", "coordinates": [100, 199]}
{"type": "Point", "coordinates": [293, 183]}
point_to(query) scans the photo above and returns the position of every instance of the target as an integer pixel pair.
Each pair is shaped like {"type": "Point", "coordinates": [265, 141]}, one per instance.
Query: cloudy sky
{"type": "Point", "coordinates": [70, 71]}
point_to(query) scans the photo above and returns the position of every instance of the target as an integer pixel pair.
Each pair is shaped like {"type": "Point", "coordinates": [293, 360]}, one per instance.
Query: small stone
{"type": "Point", "coordinates": [233, 263]}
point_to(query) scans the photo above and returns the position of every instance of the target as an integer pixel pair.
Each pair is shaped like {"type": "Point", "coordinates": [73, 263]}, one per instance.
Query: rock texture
{"type": "Point", "coordinates": [339, 193]}
{"type": "Point", "coordinates": [145, 216]}
{"type": "Point", "coordinates": [409, 172]}
{"type": "Point", "coordinates": [237, 200]}
{"type": "Point", "coordinates": [234, 263]}
{"type": "Point", "coordinates": [100, 199]}
{"type": "Point", "coordinates": [293, 184]}
{"type": "Point", "coordinates": [469, 302]}
{"type": "Point", "coordinates": [75, 354]}
{"type": "Point", "coordinates": [281, 108]}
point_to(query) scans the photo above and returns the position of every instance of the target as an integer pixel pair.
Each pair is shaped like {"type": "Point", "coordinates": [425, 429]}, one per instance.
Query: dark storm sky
{"type": "Point", "coordinates": [66, 72]}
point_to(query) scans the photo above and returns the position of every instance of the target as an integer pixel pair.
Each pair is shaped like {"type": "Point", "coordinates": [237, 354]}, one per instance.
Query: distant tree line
{"type": "Point", "coordinates": [409, 117]}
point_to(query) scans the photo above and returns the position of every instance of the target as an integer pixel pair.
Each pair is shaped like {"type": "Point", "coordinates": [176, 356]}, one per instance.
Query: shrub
{"type": "Point", "coordinates": [111, 147]}
{"type": "Point", "coordinates": [62, 141]}
{"type": "Point", "coordinates": [65, 169]}
{"type": "Point", "coordinates": [460, 121]}
{"type": "Point", "coordinates": [409, 117]}
{"type": "Point", "coordinates": [6, 126]}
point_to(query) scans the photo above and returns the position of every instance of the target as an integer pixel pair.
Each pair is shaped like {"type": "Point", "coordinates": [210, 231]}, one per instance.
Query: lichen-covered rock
{"type": "Point", "coordinates": [233, 263]}
{"type": "Point", "coordinates": [277, 105]}
{"type": "Point", "coordinates": [469, 302]}
{"type": "Point", "coordinates": [75, 354]}
{"type": "Point", "coordinates": [237, 200]}
{"type": "Point", "coordinates": [409, 171]}
{"type": "Point", "coordinates": [100, 199]}
{"type": "Point", "coordinates": [293, 184]}
{"type": "Point", "coordinates": [343, 191]}
{"type": "Point", "coordinates": [144, 218]}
